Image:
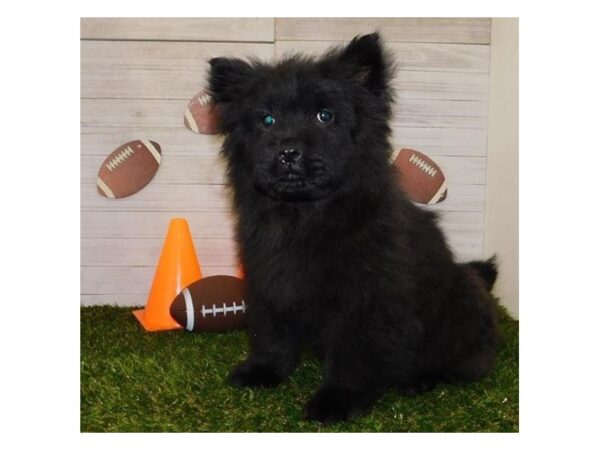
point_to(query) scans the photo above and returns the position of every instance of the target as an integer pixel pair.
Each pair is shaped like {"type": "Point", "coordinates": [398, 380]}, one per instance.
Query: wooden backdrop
{"type": "Point", "coordinates": [137, 76]}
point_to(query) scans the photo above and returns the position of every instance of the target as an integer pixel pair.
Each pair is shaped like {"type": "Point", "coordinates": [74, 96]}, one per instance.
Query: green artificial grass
{"type": "Point", "coordinates": [132, 380]}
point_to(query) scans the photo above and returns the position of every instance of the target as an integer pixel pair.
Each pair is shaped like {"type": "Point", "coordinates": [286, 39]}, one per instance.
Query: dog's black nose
{"type": "Point", "coordinates": [289, 156]}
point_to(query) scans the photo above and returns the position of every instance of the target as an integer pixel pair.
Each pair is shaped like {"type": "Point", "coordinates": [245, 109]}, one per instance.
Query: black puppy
{"type": "Point", "coordinates": [337, 259]}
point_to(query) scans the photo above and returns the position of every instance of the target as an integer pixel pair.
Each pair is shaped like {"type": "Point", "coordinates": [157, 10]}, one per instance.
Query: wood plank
{"type": "Point", "coordinates": [214, 197]}
{"type": "Point", "coordinates": [466, 248]}
{"type": "Point", "coordinates": [214, 225]}
{"type": "Point", "coordinates": [405, 29]}
{"type": "Point", "coordinates": [177, 70]}
{"type": "Point", "coordinates": [464, 233]}
{"type": "Point", "coordinates": [160, 197]}
{"type": "Point", "coordinates": [427, 85]}
{"type": "Point", "coordinates": [175, 141]}
{"type": "Point", "coordinates": [119, 113]}
{"type": "Point", "coordinates": [173, 169]}
{"type": "Point", "coordinates": [93, 282]}
{"type": "Point", "coordinates": [130, 285]}
{"type": "Point", "coordinates": [442, 141]}
{"type": "Point", "coordinates": [421, 57]}
{"type": "Point", "coordinates": [146, 252]}
{"type": "Point", "coordinates": [135, 89]}
{"type": "Point", "coordinates": [150, 113]}
{"type": "Point", "coordinates": [207, 228]}
{"type": "Point", "coordinates": [172, 70]}
{"type": "Point", "coordinates": [116, 280]}
{"type": "Point", "coordinates": [180, 28]}
{"type": "Point", "coordinates": [153, 224]}
{"type": "Point", "coordinates": [125, 82]}
{"type": "Point", "coordinates": [462, 197]}
{"type": "Point", "coordinates": [143, 279]}
{"type": "Point", "coordinates": [113, 299]}
{"type": "Point", "coordinates": [440, 114]}
{"type": "Point", "coordinates": [129, 280]}
{"type": "Point", "coordinates": [462, 170]}
{"type": "Point", "coordinates": [466, 245]}
{"type": "Point", "coordinates": [453, 221]}
{"type": "Point", "coordinates": [179, 141]}
{"type": "Point", "coordinates": [136, 280]}
{"type": "Point", "coordinates": [211, 169]}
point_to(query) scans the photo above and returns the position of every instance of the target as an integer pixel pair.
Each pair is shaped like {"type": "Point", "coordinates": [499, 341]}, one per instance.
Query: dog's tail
{"type": "Point", "coordinates": [486, 270]}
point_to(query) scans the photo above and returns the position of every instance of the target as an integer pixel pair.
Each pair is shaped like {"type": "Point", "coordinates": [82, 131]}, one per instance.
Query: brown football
{"type": "Point", "coordinates": [201, 114]}
{"type": "Point", "coordinates": [214, 303]}
{"type": "Point", "coordinates": [422, 179]}
{"type": "Point", "coordinates": [128, 169]}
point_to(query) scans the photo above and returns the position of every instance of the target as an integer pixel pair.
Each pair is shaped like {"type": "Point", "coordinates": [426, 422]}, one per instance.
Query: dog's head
{"type": "Point", "coordinates": [298, 129]}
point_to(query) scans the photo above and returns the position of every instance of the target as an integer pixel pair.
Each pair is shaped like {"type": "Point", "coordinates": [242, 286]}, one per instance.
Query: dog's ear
{"type": "Point", "coordinates": [227, 78]}
{"type": "Point", "coordinates": [365, 58]}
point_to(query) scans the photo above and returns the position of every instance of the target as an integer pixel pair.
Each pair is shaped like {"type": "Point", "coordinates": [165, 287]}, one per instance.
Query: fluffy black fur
{"type": "Point", "coordinates": [337, 259]}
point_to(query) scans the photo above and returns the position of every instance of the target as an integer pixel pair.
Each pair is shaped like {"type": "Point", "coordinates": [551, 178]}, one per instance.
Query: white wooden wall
{"type": "Point", "coordinates": [137, 76]}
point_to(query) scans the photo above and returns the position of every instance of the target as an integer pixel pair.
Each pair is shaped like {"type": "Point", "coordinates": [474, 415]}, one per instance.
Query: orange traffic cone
{"type": "Point", "coordinates": [177, 268]}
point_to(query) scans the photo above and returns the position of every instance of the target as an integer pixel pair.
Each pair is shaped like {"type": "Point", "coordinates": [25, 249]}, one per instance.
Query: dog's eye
{"type": "Point", "coordinates": [324, 116]}
{"type": "Point", "coordinates": [268, 120]}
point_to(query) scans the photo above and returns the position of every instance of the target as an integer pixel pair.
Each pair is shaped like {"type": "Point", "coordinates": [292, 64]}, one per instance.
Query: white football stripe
{"type": "Point", "coordinates": [102, 185]}
{"type": "Point", "coordinates": [152, 150]}
{"type": "Point", "coordinates": [189, 309]}
{"type": "Point", "coordinates": [190, 120]}
{"type": "Point", "coordinates": [439, 193]}
{"type": "Point", "coordinates": [394, 155]}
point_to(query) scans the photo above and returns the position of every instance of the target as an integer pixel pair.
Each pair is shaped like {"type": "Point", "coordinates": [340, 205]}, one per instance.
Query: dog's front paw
{"type": "Point", "coordinates": [333, 404]}
{"type": "Point", "coordinates": [250, 373]}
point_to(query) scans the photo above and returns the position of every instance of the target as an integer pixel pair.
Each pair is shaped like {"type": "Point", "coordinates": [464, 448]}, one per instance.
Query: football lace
{"type": "Point", "coordinates": [205, 99]}
{"type": "Point", "coordinates": [122, 156]}
{"type": "Point", "coordinates": [224, 310]}
{"type": "Point", "coordinates": [427, 168]}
